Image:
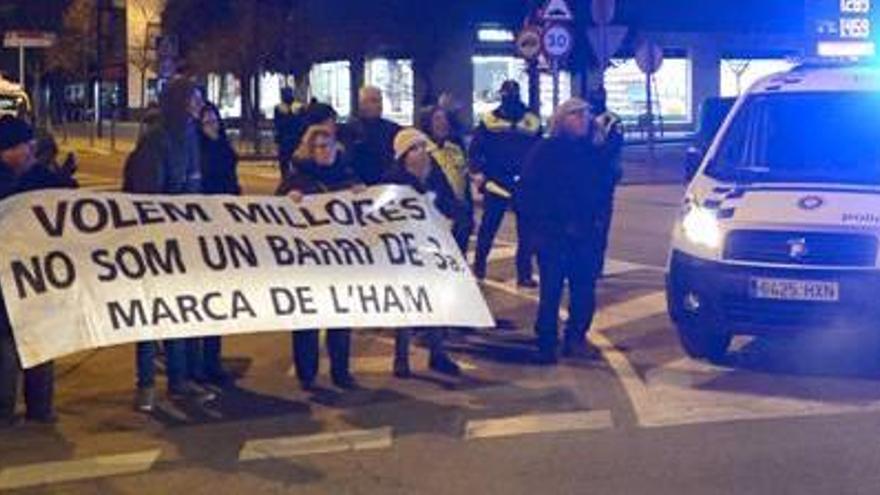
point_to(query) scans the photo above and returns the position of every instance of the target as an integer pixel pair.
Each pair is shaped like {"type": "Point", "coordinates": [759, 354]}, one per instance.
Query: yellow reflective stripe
{"type": "Point", "coordinates": [497, 190]}
{"type": "Point", "coordinates": [495, 123]}
{"type": "Point", "coordinates": [452, 162]}
{"type": "Point", "coordinates": [530, 124]}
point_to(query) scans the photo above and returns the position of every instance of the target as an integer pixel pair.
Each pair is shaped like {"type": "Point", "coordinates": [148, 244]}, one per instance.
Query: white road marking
{"type": "Point", "coordinates": [323, 443]}
{"type": "Point", "coordinates": [611, 317]}
{"type": "Point", "coordinates": [77, 470]}
{"type": "Point", "coordinates": [538, 423]}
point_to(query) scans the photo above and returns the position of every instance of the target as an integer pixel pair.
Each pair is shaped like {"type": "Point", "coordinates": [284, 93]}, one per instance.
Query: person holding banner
{"type": "Point", "coordinates": [219, 176]}
{"type": "Point", "coordinates": [166, 160]}
{"type": "Point", "coordinates": [318, 167]}
{"type": "Point", "coordinates": [20, 172]}
{"type": "Point", "coordinates": [415, 168]}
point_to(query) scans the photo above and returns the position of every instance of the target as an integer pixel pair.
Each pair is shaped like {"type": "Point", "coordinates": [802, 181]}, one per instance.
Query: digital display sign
{"type": "Point", "coordinates": [842, 27]}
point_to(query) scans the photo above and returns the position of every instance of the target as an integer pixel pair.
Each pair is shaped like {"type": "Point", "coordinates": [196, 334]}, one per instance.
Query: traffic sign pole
{"type": "Point", "coordinates": [555, 69]}
{"type": "Point", "coordinates": [21, 65]}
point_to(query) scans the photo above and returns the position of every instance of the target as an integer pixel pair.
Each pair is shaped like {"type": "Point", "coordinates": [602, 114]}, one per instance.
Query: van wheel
{"type": "Point", "coordinates": [704, 343]}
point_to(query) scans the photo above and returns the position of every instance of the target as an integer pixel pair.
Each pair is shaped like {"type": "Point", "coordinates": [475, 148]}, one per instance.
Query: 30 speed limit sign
{"type": "Point", "coordinates": [557, 41]}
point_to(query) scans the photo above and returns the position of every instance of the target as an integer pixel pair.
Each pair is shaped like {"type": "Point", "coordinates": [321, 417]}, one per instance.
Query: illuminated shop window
{"type": "Point", "coordinates": [396, 80]}
{"type": "Point", "coordinates": [489, 73]}
{"type": "Point", "coordinates": [547, 92]}
{"type": "Point", "coordinates": [673, 99]}
{"type": "Point", "coordinates": [330, 83]}
{"type": "Point", "coordinates": [225, 92]}
{"type": "Point", "coordinates": [270, 92]}
{"type": "Point", "coordinates": [737, 74]}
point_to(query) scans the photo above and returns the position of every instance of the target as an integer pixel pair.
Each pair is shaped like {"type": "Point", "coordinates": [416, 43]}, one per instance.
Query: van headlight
{"type": "Point", "coordinates": [700, 226]}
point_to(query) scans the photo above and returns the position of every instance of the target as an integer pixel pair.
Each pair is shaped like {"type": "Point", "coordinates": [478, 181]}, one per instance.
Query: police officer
{"type": "Point", "coordinates": [501, 142]}
{"type": "Point", "coordinates": [608, 138]}
{"type": "Point", "coordinates": [288, 122]}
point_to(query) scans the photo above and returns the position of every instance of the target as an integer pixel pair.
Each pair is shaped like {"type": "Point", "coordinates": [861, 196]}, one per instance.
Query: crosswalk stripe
{"type": "Point", "coordinates": [77, 470]}
{"type": "Point", "coordinates": [538, 423]}
{"type": "Point", "coordinates": [323, 443]}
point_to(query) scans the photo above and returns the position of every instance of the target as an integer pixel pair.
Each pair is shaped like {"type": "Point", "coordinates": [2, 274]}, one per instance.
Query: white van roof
{"type": "Point", "coordinates": [821, 77]}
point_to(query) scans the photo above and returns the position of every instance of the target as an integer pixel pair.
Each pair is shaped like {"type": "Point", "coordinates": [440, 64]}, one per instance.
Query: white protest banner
{"type": "Point", "coordinates": [83, 270]}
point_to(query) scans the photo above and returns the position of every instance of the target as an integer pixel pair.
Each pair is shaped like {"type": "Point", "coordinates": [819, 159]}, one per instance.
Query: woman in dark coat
{"type": "Point", "coordinates": [318, 167]}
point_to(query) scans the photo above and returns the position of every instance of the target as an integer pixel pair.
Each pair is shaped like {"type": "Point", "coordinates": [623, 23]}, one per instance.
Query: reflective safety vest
{"type": "Point", "coordinates": [530, 124]}
{"type": "Point", "coordinates": [450, 157]}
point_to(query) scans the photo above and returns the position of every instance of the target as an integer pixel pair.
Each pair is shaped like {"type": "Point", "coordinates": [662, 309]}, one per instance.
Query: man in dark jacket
{"type": "Point", "coordinates": [288, 120]}
{"type": "Point", "coordinates": [166, 160]}
{"type": "Point", "coordinates": [369, 138]}
{"type": "Point", "coordinates": [561, 200]}
{"type": "Point", "coordinates": [20, 172]}
{"type": "Point", "coordinates": [501, 142]}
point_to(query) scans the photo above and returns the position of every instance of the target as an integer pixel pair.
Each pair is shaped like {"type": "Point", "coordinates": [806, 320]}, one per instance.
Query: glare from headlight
{"type": "Point", "coordinates": [701, 227]}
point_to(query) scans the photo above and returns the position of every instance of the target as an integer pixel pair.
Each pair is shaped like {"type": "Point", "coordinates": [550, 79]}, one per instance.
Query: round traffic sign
{"type": "Point", "coordinates": [649, 57]}
{"type": "Point", "coordinates": [528, 43]}
{"type": "Point", "coordinates": [557, 41]}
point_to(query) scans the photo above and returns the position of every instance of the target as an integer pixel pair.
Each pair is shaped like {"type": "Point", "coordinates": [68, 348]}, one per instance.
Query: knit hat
{"type": "Point", "coordinates": [407, 138]}
{"type": "Point", "coordinates": [14, 131]}
{"type": "Point", "coordinates": [569, 107]}
{"type": "Point", "coordinates": [317, 113]}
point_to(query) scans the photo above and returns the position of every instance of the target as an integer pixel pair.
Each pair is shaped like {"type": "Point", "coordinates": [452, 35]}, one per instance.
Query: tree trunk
{"type": "Point", "coordinates": [247, 110]}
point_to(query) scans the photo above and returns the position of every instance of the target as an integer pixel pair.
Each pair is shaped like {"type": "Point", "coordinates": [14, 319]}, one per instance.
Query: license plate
{"type": "Point", "coordinates": [781, 289]}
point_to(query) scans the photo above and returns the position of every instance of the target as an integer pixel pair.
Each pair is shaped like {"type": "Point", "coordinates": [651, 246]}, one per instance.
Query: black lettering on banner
{"type": "Point", "coordinates": [190, 213]}
{"type": "Point", "coordinates": [414, 207]}
{"type": "Point", "coordinates": [206, 305]}
{"type": "Point", "coordinates": [338, 307]}
{"type": "Point", "coordinates": [253, 213]}
{"type": "Point", "coordinates": [286, 302]}
{"type": "Point", "coordinates": [189, 306]}
{"type": "Point", "coordinates": [392, 302]}
{"type": "Point", "coordinates": [385, 300]}
{"type": "Point", "coordinates": [313, 220]}
{"type": "Point", "coordinates": [136, 262]}
{"type": "Point", "coordinates": [304, 252]}
{"type": "Point", "coordinates": [328, 252]}
{"type": "Point", "coordinates": [368, 253]}
{"type": "Point", "coordinates": [56, 268]}
{"type": "Point", "coordinates": [392, 213]}
{"type": "Point", "coordinates": [54, 228]}
{"type": "Point", "coordinates": [402, 249]}
{"type": "Point", "coordinates": [148, 213]}
{"type": "Point", "coordinates": [161, 311]}
{"type": "Point", "coordinates": [90, 215]}
{"type": "Point", "coordinates": [354, 252]}
{"type": "Point", "coordinates": [135, 316]}
{"type": "Point", "coordinates": [340, 212]}
{"type": "Point", "coordinates": [365, 209]}
{"type": "Point", "coordinates": [240, 305]}
{"type": "Point", "coordinates": [281, 250]}
{"type": "Point", "coordinates": [226, 251]}
{"type": "Point", "coordinates": [419, 299]}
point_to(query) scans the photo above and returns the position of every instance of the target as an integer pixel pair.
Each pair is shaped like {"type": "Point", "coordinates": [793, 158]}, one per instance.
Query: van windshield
{"type": "Point", "coordinates": [802, 137]}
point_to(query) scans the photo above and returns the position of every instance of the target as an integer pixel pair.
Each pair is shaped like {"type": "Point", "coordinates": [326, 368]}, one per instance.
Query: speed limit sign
{"type": "Point", "coordinates": [557, 41]}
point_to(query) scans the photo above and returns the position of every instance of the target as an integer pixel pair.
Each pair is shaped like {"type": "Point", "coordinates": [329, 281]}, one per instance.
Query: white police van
{"type": "Point", "coordinates": [13, 99]}
{"type": "Point", "coordinates": [779, 227]}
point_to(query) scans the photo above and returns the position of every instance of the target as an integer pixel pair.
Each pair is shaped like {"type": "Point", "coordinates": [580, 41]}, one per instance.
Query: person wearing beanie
{"type": "Point", "coordinates": [21, 172]}
{"type": "Point", "coordinates": [560, 200]}
{"type": "Point", "coordinates": [501, 142]}
{"type": "Point", "coordinates": [414, 167]}
{"type": "Point", "coordinates": [166, 160]}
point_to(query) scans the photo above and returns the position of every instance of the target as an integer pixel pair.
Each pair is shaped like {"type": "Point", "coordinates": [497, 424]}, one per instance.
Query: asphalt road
{"type": "Point", "coordinates": [781, 416]}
